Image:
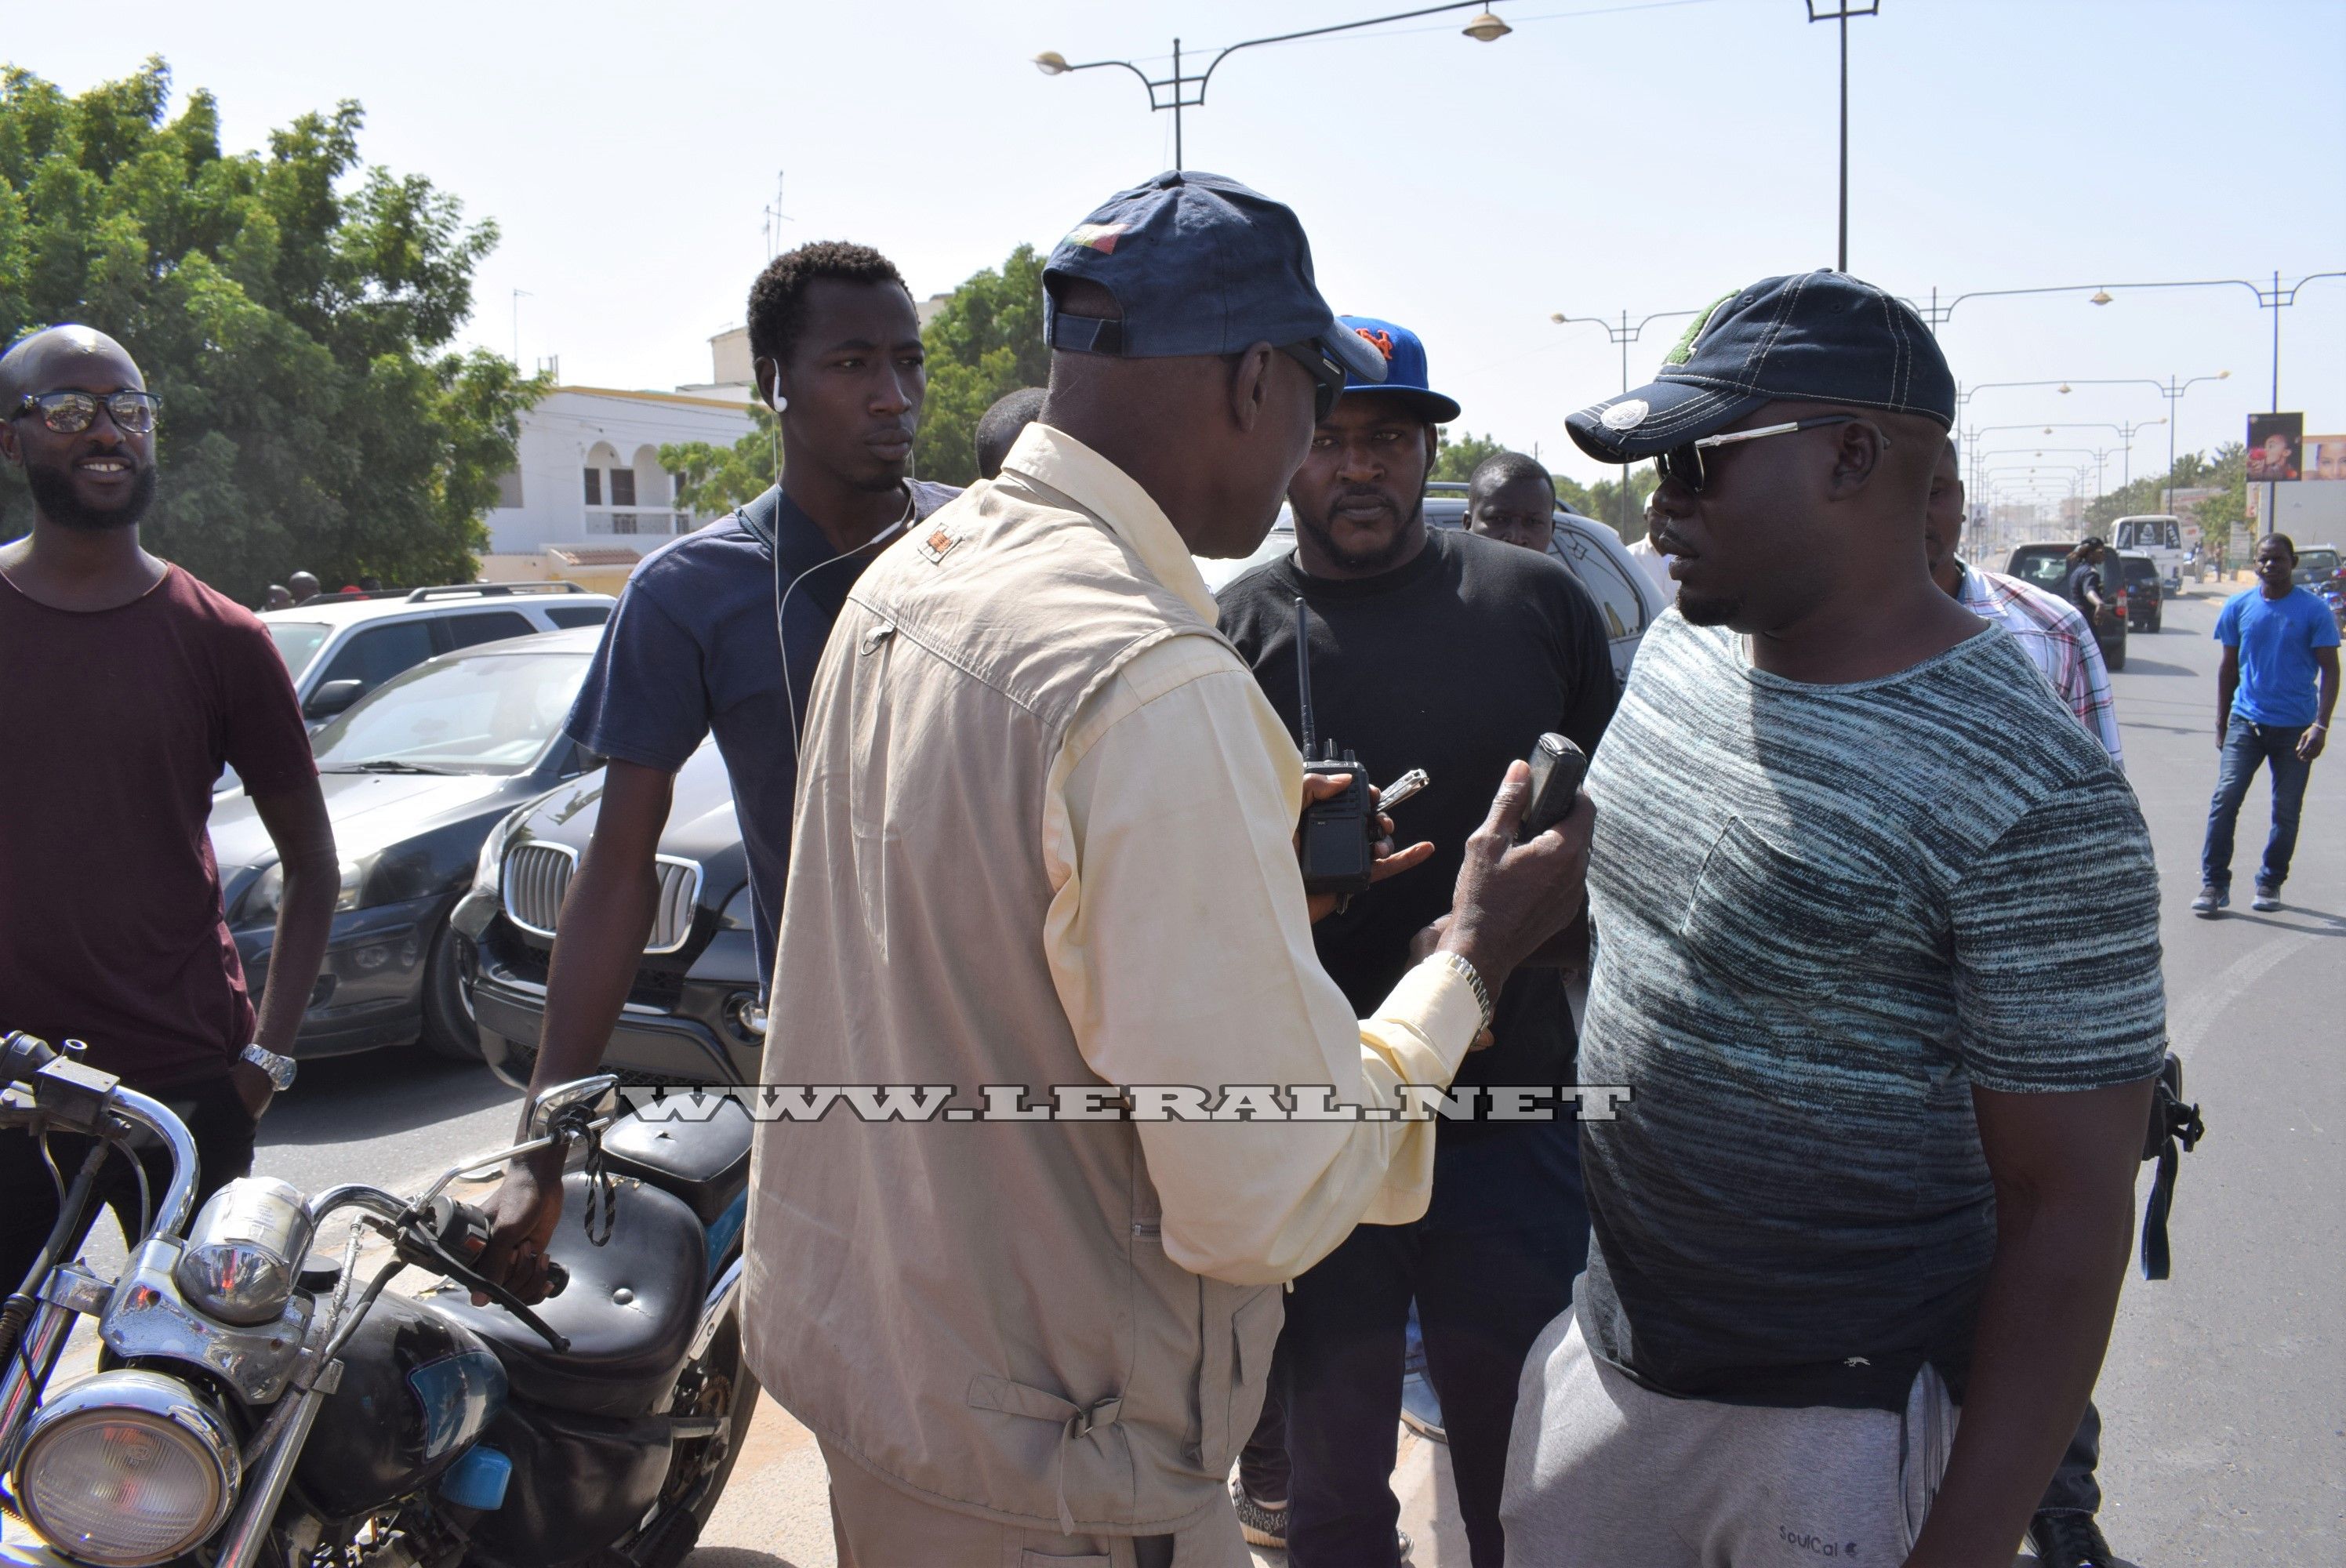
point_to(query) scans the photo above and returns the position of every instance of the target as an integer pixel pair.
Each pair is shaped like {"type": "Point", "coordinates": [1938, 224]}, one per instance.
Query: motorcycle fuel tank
{"type": "Point", "coordinates": [416, 1390]}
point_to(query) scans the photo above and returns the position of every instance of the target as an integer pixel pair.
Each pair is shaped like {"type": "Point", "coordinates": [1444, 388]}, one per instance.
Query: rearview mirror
{"type": "Point", "coordinates": [331, 698]}
{"type": "Point", "coordinates": [544, 1109]}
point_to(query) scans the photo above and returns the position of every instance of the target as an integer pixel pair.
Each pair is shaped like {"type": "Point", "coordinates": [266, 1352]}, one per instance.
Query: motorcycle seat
{"type": "Point", "coordinates": [629, 1310]}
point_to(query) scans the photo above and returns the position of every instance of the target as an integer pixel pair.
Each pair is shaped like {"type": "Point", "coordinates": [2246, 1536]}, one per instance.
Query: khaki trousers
{"type": "Point", "coordinates": [879, 1525]}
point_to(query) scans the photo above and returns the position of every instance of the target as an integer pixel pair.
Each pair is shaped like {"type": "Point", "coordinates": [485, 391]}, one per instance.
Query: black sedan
{"type": "Point", "coordinates": [692, 1015]}
{"type": "Point", "coordinates": [416, 775]}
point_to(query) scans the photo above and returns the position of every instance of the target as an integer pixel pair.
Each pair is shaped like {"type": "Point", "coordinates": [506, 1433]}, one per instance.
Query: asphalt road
{"type": "Point", "coordinates": [2224, 1393]}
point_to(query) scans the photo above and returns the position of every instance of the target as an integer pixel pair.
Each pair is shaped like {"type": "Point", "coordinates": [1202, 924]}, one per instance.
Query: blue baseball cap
{"type": "Point", "coordinates": [1404, 353]}
{"type": "Point", "coordinates": [1811, 337]}
{"type": "Point", "coordinates": [1199, 265]}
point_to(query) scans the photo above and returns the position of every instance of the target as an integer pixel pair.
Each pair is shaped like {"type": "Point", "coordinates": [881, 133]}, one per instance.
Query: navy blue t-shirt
{"type": "Point", "coordinates": [692, 649]}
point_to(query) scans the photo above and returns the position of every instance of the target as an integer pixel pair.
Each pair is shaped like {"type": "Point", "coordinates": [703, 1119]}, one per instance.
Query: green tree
{"type": "Point", "coordinates": [712, 479]}
{"type": "Point", "coordinates": [985, 341]}
{"type": "Point", "coordinates": [1457, 460]}
{"type": "Point", "coordinates": [293, 311]}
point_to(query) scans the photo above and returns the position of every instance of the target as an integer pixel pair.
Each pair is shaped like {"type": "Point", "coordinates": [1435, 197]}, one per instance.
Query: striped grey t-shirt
{"type": "Point", "coordinates": [1824, 915]}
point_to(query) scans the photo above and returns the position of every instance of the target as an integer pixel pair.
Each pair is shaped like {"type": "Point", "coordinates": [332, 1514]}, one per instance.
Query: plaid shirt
{"type": "Point", "coordinates": [2055, 635]}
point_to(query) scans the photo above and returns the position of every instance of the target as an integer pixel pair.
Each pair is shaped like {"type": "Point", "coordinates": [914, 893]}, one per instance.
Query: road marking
{"type": "Point", "coordinates": [2194, 1018]}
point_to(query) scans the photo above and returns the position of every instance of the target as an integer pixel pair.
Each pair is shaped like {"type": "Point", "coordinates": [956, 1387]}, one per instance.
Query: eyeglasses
{"type": "Point", "coordinates": [1685, 464]}
{"type": "Point", "coordinates": [71, 412]}
{"type": "Point", "coordinates": [1327, 376]}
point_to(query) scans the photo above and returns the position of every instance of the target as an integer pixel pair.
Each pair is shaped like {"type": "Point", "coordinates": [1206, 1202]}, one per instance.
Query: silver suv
{"type": "Point", "coordinates": [341, 647]}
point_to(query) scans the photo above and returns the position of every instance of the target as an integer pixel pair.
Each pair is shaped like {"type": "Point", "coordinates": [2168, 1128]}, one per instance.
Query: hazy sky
{"type": "Point", "coordinates": [1609, 155]}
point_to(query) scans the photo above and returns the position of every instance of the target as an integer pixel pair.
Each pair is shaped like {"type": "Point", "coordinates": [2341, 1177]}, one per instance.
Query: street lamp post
{"type": "Point", "coordinates": [2169, 389]}
{"type": "Point", "coordinates": [1841, 13]}
{"type": "Point", "coordinates": [1624, 334]}
{"type": "Point", "coordinates": [1180, 91]}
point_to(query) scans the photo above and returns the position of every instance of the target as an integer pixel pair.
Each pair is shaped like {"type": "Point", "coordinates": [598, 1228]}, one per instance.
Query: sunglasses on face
{"type": "Point", "coordinates": [1327, 376]}
{"type": "Point", "coordinates": [1685, 464]}
{"type": "Point", "coordinates": [71, 412]}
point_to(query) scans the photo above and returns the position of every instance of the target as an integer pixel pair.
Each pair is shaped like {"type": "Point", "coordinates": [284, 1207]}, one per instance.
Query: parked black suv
{"type": "Point", "coordinates": [2145, 597]}
{"type": "Point", "coordinates": [2046, 566]}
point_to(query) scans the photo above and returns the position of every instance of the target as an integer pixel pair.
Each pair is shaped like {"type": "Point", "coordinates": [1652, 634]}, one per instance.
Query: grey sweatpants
{"type": "Point", "coordinates": [1603, 1473]}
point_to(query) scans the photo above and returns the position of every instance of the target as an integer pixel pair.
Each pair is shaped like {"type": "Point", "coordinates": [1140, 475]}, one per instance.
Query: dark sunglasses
{"type": "Point", "coordinates": [71, 412]}
{"type": "Point", "coordinates": [1327, 376]}
{"type": "Point", "coordinates": [1684, 464]}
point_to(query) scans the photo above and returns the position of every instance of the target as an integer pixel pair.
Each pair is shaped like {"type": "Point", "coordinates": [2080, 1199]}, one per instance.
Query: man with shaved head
{"type": "Point", "coordinates": [129, 686]}
{"type": "Point", "coordinates": [1879, 953]}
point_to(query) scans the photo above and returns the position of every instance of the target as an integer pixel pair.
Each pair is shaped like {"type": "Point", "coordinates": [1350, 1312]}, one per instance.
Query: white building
{"type": "Point", "coordinates": [588, 472]}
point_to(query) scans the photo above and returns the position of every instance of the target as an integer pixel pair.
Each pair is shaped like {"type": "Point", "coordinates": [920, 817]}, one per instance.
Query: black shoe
{"type": "Point", "coordinates": [1262, 1524]}
{"type": "Point", "coordinates": [2070, 1540]}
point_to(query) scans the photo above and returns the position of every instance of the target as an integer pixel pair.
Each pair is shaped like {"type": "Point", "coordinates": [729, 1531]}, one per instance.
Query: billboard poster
{"type": "Point", "coordinates": [2322, 457]}
{"type": "Point", "coordinates": [2274, 440]}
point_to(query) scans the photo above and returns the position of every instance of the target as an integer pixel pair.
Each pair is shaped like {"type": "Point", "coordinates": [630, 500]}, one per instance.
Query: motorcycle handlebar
{"type": "Point", "coordinates": [22, 1058]}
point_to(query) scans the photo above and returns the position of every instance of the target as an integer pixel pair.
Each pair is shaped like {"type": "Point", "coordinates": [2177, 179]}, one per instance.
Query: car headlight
{"type": "Point", "coordinates": [262, 900]}
{"type": "Point", "coordinates": [126, 1468]}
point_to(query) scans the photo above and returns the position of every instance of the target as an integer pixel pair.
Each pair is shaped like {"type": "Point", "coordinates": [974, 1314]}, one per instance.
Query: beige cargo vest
{"type": "Point", "coordinates": [982, 1312]}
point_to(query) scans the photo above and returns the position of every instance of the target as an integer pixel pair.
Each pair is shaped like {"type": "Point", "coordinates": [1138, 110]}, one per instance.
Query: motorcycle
{"type": "Point", "coordinates": [257, 1406]}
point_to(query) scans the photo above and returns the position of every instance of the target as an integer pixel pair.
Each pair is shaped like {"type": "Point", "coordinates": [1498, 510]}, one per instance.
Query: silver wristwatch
{"type": "Point", "coordinates": [1465, 971]}
{"type": "Point", "coordinates": [281, 1069]}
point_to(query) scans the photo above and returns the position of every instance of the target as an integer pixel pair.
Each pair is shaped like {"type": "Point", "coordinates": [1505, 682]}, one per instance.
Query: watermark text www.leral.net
{"type": "Point", "coordinates": [1132, 1101]}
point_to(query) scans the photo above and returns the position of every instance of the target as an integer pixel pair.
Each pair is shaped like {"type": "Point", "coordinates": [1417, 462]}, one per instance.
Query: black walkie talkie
{"type": "Point", "coordinates": [1338, 849]}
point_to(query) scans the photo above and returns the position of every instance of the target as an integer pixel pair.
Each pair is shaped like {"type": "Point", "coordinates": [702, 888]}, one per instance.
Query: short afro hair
{"type": "Point", "coordinates": [778, 299]}
{"type": "Point", "coordinates": [998, 427]}
{"type": "Point", "coordinates": [1502, 469]}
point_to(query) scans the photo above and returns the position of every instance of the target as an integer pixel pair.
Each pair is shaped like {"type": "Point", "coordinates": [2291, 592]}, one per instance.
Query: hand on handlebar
{"type": "Point", "coordinates": [522, 1214]}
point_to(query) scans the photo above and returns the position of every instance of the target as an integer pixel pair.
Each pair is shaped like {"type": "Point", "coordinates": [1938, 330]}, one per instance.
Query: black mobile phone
{"type": "Point", "coordinates": [1337, 847]}
{"type": "Point", "coordinates": [1558, 768]}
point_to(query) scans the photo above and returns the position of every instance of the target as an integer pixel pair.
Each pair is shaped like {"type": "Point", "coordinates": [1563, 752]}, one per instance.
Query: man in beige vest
{"type": "Point", "coordinates": [1043, 858]}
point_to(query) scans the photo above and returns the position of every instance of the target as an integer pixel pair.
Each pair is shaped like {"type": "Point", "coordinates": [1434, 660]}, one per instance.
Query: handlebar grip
{"type": "Point", "coordinates": [464, 1234]}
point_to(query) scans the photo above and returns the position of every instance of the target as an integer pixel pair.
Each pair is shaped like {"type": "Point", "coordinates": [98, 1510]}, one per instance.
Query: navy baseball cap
{"type": "Point", "coordinates": [1404, 353]}
{"type": "Point", "coordinates": [1812, 337]}
{"type": "Point", "coordinates": [1199, 265]}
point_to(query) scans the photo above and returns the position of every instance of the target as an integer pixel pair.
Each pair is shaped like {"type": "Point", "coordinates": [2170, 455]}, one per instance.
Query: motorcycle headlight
{"type": "Point", "coordinates": [126, 1468]}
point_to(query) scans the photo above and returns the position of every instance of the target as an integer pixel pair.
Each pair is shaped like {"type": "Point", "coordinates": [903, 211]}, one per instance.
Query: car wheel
{"type": "Point", "coordinates": [2114, 655]}
{"type": "Point", "coordinates": [449, 1029]}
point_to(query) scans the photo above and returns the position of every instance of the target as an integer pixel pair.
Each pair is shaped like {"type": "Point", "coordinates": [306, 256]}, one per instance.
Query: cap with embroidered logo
{"type": "Point", "coordinates": [1198, 264]}
{"type": "Point", "coordinates": [1810, 337]}
{"type": "Point", "coordinates": [1404, 352]}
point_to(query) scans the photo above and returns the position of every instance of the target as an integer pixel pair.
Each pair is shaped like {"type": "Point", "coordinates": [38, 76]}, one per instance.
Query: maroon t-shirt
{"type": "Point", "coordinates": [116, 723]}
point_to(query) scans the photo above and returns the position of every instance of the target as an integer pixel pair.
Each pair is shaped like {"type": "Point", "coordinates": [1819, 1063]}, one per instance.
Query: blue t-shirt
{"type": "Point", "coordinates": [692, 649]}
{"type": "Point", "coordinates": [2280, 682]}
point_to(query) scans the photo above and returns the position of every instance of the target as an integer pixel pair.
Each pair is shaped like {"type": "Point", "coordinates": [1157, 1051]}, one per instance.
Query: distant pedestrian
{"type": "Point", "coordinates": [2275, 691]}
{"type": "Point", "coordinates": [1649, 559]}
{"type": "Point", "coordinates": [280, 597]}
{"type": "Point", "coordinates": [1511, 497]}
{"type": "Point", "coordinates": [304, 586]}
{"type": "Point", "coordinates": [998, 427]}
{"type": "Point", "coordinates": [2084, 585]}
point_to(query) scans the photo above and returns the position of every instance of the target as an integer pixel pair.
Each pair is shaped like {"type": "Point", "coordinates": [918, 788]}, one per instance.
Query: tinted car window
{"type": "Point", "coordinates": [377, 654]}
{"type": "Point", "coordinates": [568, 616]}
{"type": "Point", "coordinates": [298, 642]}
{"type": "Point", "coordinates": [2137, 570]}
{"type": "Point", "coordinates": [2046, 569]}
{"type": "Point", "coordinates": [493, 626]}
{"type": "Point", "coordinates": [490, 714]}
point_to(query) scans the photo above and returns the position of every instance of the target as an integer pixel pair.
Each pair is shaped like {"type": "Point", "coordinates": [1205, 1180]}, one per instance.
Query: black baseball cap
{"type": "Point", "coordinates": [1811, 337]}
{"type": "Point", "coordinates": [1199, 265]}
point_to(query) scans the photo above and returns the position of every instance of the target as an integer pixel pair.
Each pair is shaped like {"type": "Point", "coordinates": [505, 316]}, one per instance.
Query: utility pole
{"type": "Point", "coordinates": [775, 218]}
{"type": "Point", "coordinates": [1841, 13]}
{"type": "Point", "coordinates": [518, 295]}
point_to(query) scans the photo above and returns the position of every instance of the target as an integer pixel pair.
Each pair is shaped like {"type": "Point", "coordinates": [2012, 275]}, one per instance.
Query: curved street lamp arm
{"type": "Point", "coordinates": [1202, 77]}
{"type": "Point", "coordinates": [2266, 295]}
{"type": "Point", "coordinates": [1127, 65]}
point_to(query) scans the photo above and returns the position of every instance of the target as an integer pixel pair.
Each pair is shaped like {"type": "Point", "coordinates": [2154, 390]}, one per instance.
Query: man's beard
{"type": "Point", "coordinates": [1703, 610]}
{"type": "Point", "coordinates": [1370, 562]}
{"type": "Point", "coordinates": [53, 493]}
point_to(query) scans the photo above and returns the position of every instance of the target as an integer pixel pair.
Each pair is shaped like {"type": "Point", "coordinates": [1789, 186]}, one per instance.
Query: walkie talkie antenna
{"type": "Point", "coordinates": [1303, 676]}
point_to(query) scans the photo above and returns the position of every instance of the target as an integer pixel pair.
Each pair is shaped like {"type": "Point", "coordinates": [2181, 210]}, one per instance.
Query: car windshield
{"type": "Point", "coordinates": [491, 713]}
{"type": "Point", "coordinates": [2316, 565]}
{"type": "Point", "coordinates": [298, 642]}
{"type": "Point", "coordinates": [2049, 569]}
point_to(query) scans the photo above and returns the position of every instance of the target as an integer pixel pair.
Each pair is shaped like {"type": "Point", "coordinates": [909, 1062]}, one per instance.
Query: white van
{"type": "Point", "coordinates": [2161, 537]}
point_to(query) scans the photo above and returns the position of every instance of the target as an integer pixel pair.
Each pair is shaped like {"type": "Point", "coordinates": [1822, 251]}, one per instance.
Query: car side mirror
{"type": "Point", "coordinates": [332, 698]}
